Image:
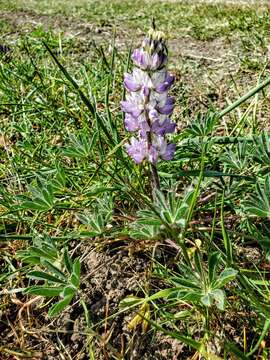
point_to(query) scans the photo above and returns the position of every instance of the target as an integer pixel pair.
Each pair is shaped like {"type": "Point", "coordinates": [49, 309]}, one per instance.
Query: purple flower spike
{"type": "Point", "coordinates": [147, 104]}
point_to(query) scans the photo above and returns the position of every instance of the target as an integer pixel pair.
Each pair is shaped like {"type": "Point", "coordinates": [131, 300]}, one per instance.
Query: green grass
{"type": "Point", "coordinates": [202, 21]}
{"type": "Point", "coordinates": [197, 257]}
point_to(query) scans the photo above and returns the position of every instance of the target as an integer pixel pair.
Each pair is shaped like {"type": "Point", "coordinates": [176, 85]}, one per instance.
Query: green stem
{"type": "Point", "coordinates": [243, 98]}
{"type": "Point", "coordinates": [191, 209]}
{"type": "Point", "coordinates": [154, 178]}
{"type": "Point", "coordinates": [264, 332]}
{"type": "Point", "coordinates": [196, 192]}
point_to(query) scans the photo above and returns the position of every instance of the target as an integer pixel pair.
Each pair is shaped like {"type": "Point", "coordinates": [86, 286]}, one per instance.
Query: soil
{"type": "Point", "coordinates": [108, 278]}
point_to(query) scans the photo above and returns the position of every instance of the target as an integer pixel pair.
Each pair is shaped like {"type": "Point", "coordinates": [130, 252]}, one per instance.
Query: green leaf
{"type": "Point", "coordinates": [198, 263]}
{"type": "Point", "coordinates": [67, 261]}
{"type": "Point", "coordinates": [31, 259]}
{"type": "Point", "coordinates": [262, 149]}
{"type": "Point", "coordinates": [149, 221]}
{"type": "Point", "coordinates": [34, 205]}
{"type": "Point", "coordinates": [46, 291]}
{"type": "Point", "coordinates": [76, 272]}
{"type": "Point", "coordinates": [258, 212]}
{"type": "Point", "coordinates": [76, 269]}
{"type": "Point", "coordinates": [219, 297]}
{"type": "Point", "coordinates": [60, 306]}
{"type": "Point", "coordinates": [52, 268]}
{"type": "Point", "coordinates": [226, 238]}
{"type": "Point", "coordinates": [161, 294]}
{"type": "Point", "coordinates": [45, 253]}
{"type": "Point", "coordinates": [184, 282]}
{"type": "Point", "coordinates": [130, 301]}
{"type": "Point", "coordinates": [41, 275]}
{"type": "Point", "coordinates": [207, 299]}
{"type": "Point", "coordinates": [99, 190]}
{"type": "Point", "coordinates": [75, 281]}
{"type": "Point", "coordinates": [180, 315]}
{"type": "Point", "coordinates": [214, 259]}
{"type": "Point", "coordinates": [190, 296]}
{"type": "Point", "coordinates": [68, 290]}
{"type": "Point", "coordinates": [259, 203]}
{"type": "Point", "coordinates": [47, 196]}
{"type": "Point", "coordinates": [226, 276]}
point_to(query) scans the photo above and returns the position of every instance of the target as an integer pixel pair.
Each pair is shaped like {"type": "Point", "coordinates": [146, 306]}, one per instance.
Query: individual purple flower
{"type": "Point", "coordinates": [162, 82]}
{"type": "Point", "coordinates": [139, 79]}
{"type": "Point", "coordinates": [152, 154]}
{"type": "Point", "coordinates": [141, 58]}
{"type": "Point", "coordinates": [131, 123]}
{"type": "Point", "coordinates": [137, 149]}
{"type": "Point", "coordinates": [167, 151]}
{"type": "Point", "coordinates": [146, 61]}
{"type": "Point", "coordinates": [163, 127]}
{"type": "Point", "coordinates": [158, 61]}
{"type": "Point", "coordinates": [147, 105]}
{"type": "Point", "coordinates": [168, 107]}
{"type": "Point", "coordinates": [134, 104]}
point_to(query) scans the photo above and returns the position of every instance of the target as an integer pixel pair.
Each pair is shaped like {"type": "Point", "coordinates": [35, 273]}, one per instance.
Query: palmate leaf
{"type": "Point", "coordinates": [31, 256]}
{"type": "Point", "coordinates": [259, 203]}
{"type": "Point", "coordinates": [262, 149]}
{"type": "Point", "coordinates": [145, 231]}
{"type": "Point", "coordinates": [41, 199]}
{"type": "Point", "coordinates": [168, 210]}
{"type": "Point", "coordinates": [238, 160]}
{"type": "Point", "coordinates": [80, 145]}
{"type": "Point", "coordinates": [203, 125]}
{"type": "Point", "coordinates": [43, 249]}
{"type": "Point", "coordinates": [147, 217]}
{"type": "Point", "coordinates": [58, 272]}
{"type": "Point", "coordinates": [98, 217]}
